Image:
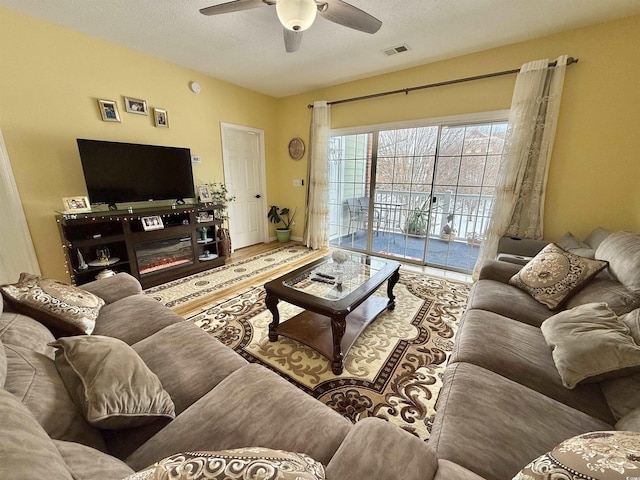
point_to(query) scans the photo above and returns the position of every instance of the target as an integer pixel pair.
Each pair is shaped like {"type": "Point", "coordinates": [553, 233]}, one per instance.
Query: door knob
{"type": "Point", "coordinates": [258, 196]}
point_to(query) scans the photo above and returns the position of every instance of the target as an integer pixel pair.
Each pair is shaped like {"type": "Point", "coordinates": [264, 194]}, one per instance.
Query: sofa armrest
{"type": "Point", "coordinates": [391, 454]}
{"type": "Point", "coordinates": [525, 247]}
{"type": "Point", "coordinates": [498, 271]}
{"type": "Point", "coordinates": [115, 287]}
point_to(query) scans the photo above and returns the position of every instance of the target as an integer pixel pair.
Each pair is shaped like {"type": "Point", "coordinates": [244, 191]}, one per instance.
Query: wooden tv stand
{"type": "Point", "coordinates": [152, 256]}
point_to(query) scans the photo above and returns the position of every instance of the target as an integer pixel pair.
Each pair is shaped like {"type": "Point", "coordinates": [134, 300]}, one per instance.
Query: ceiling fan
{"type": "Point", "coordinates": [298, 15]}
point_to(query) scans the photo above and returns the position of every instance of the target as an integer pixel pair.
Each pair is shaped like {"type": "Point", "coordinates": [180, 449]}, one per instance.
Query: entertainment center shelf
{"type": "Point", "coordinates": [155, 245]}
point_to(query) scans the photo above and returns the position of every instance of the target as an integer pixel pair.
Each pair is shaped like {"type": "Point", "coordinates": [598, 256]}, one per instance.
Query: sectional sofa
{"type": "Point", "coordinates": [503, 402]}
{"type": "Point", "coordinates": [208, 399]}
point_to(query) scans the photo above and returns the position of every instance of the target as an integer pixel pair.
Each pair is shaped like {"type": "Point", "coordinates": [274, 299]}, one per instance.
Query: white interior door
{"type": "Point", "coordinates": [243, 158]}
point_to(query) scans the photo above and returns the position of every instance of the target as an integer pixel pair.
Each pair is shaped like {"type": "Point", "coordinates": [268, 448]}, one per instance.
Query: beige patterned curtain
{"type": "Point", "coordinates": [522, 181]}
{"type": "Point", "coordinates": [16, 248]}
{"type": "Point", "coordinates": [316, 228]}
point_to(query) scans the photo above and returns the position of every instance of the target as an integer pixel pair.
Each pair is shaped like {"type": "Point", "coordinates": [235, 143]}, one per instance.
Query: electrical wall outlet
{"type": "Point", "coordinates": [297, 182]}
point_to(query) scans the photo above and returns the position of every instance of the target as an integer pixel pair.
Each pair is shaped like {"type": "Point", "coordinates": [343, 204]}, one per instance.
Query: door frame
{"type": "Point", "coordinates": [224, 126]}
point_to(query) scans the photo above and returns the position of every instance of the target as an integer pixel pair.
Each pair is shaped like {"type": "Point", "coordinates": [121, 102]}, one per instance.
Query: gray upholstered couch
{"type": "Point", "coordinates": [503, 402]}
{"type": "Point", "coordinates": [220, 400]}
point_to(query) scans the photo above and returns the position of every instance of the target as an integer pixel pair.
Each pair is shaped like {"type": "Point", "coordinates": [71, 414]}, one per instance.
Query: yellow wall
{"type": "Point", "coordinates": [50, 80]}
{"type": "Point", "coordinates": [593, 179]}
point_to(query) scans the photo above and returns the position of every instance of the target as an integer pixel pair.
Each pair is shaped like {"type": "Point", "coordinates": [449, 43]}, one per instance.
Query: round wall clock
{"type": "Point", "coordinates": [296, 148]}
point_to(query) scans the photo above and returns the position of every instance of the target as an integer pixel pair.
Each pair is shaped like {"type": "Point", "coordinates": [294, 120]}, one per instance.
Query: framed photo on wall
{"type": "Point", "coordinates": [108, 110]}
{"type": "Point", "coordinates": [76, 204]}
{"type": "Point", "coordinates": [153, 222]}
{"type": "Point", "coordinates": [135, 105]}
{"type": "Point", "coordinates": [161, 118]}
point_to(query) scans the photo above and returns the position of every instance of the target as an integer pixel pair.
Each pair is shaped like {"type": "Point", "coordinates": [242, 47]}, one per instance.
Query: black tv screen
{"type": "Point", "coordinates": [128, 172]}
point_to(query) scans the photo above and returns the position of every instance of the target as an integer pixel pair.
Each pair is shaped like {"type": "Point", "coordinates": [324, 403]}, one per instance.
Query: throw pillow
{"type": "Point", "coordinates": [571, 243]}
{"type": "Point", "coordinates": [590, 343]}
{"type": "Point", "coordinates": [55, 304]}
{"type": "Point", "coordinates": [596, 455]}
{"type": "Point", "coordinates": [241, 463]}
{"type": "Point", "coordinates": [554, 274]}
{"type": "Point", "coordinates": [110, 383]}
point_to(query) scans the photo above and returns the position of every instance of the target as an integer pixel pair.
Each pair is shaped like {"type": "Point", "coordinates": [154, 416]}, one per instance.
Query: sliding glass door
{"type": "Point", "coordinates": [424, 194]}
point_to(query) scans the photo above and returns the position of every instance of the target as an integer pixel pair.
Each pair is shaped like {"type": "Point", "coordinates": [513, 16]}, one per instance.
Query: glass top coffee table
{"type": "Point", "coordinates": [338, 301]}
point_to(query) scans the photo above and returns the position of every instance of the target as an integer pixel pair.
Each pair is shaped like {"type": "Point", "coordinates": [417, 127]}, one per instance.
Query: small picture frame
{"type": "Point", "coordinates": [108, 110]}
{"type": "Point", "coordinates": [76, 204]}
{"type": "Point", "coordinates": [154, 222]}
{"type": "Point", "coordinates": [135, 105]}
{"type": "Point", "coordinates": [161, 118]}
{"type": "Point", "coordinates": [204, 193]}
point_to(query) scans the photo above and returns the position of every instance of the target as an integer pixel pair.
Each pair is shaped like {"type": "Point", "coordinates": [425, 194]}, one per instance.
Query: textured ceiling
{"type": "Point", "coordinates": [246, 48]}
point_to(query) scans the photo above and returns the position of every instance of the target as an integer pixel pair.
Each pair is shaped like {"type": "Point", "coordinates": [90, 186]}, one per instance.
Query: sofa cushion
{"type": "Point", "coordinates": [411, 459]}
{"type": "Point", "coordinates": [35, 381]}
{"type": "Point", "coordinates": [3, 364]}
{"type": "Point", "coordinates": [622, 394]}
{"type": "Point", "coordinates": [23, 331]}
{"type": "Point", "coordinates": [57, 305]}
{"type": "Point", "coordinates": [593, 455]}
{"type": "Point", "coordinates": [241, 463]}
{"type": "Point", "coordinates": [280, 416]}
{"type": "Point", "coordinates": [622, 251]}
{"type": "Point", "coordinates": [113, 288]}
{"type": "Point", "coordinates": [604, 289]}
{"type": "Point", "coordinates": [110, 382]}
{"type": "Point", "coordinates": [596, 237]}
{"type": "Point", "coordinates": [134, 318]}
{"type": "Point", "coordinates": [169, 354]}
{"type": "Point", "coordinates": [86, 463]}
{"type": "Point", "coordinates": [25, 448]}
{"type": "Point", "coordinates": [630, 422]}
{"type": "Point", "coordinates": [508, 301]}
{"type": "Point", "coordinates": [554, 274]}
{"type": "Point", "coordinates": [494, 426]}
{"type": "Point", "coordinates": [519, 352]}
{"type": "Point", "coordinates": [590, 343]}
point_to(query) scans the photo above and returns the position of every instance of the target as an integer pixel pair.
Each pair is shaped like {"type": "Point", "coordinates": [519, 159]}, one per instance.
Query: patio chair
{"type": "Point", "coordinates": [364, 208]}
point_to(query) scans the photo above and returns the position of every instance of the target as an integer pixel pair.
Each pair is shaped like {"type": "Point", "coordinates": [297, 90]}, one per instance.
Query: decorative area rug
{"type": "Point", "coordinates": [186, 295]}
{"type": "Point", "coordinates": [393, 371]}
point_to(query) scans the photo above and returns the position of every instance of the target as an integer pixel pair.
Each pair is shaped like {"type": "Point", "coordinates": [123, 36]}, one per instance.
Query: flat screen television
{"type": "Point", "coordinates": [118, 172]}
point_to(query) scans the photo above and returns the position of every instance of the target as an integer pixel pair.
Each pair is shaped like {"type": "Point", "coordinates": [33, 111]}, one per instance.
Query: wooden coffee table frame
{"type": "Point", "coordinates": [330, 326]}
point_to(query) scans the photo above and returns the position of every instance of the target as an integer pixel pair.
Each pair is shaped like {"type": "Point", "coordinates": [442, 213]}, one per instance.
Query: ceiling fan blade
{"type": "Point", "coordinates": [292, 40]}
{"type": "Point", "coordinates": [342, 13]}
{"type": "Point", "coordinates": [235, 6]}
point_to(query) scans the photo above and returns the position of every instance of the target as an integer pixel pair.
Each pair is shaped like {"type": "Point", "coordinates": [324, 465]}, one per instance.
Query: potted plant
{"type": "Point", "coordinates": [220, 196]}
{"type": "Point", "coordinates": [278, 215]}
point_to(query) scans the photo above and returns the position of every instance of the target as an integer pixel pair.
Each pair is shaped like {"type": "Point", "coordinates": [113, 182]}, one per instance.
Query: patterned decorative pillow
{"type": "Point", "coordinates": [554, 274]}
{"type": "Point", "coordinates": [590, 456]}
{"type": "Point", "coordinates": [110, 383]}
{"type": "Point", "coordinates": [55, 304]}
{"type": "Point", "coordinates": [242, 463]}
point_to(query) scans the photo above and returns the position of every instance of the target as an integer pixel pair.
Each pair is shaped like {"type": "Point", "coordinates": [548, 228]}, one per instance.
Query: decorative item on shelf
{"type": "Point", "coordinates": [105, 273]}
{"type": "Point", "coordinates": [203, 217]}
{"type": "Point", "coordinates": [202, 231]}
{"type": "Point", "coordinates": [207, 255]}
{"type": "Point", "coordinates": [204, 194]}
{"type": "Point", "coordinates": [76, 204]}
{"type": "Point", "coordinates": [153, 222]}
{"type": "Point", "coordinates": [220, 196]}
{"type": "Point", "coordinates": [82, 265]}
{"type": "Point", "coordinates": [277, 215]}
{"type": "Point", "coordinates": [108, 110]}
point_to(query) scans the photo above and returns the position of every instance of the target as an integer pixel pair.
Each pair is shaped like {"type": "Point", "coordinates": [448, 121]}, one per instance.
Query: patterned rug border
{"type": "Point", "coordinates": [304, 251]}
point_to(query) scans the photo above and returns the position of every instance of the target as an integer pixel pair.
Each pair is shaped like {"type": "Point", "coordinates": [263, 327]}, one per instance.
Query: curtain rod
{"type": "Point", "coordinates": [406, 91]}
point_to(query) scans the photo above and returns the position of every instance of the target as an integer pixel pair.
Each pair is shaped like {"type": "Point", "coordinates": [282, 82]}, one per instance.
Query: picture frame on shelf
{"type": "Point", "coordinates": [136, 105]}
{"type": "Point", "coordinates": [204, 193]}
{"type": "Point", "coordinates": [76, 204]}
{"type": "Point", "coordinates": [152, 222]}
{"type": "Point", "coordinates": [108, 110]}
{"type": "Point", "coordinates": [160, 118]}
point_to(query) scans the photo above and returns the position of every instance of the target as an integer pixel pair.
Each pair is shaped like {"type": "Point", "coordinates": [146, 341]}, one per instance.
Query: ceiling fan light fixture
{"type": "Point", "coordinates": [296, 15]}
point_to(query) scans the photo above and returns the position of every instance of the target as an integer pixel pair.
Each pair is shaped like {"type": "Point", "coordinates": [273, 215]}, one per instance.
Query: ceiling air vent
{"type": "Point", "coordinates": [396, 50]}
